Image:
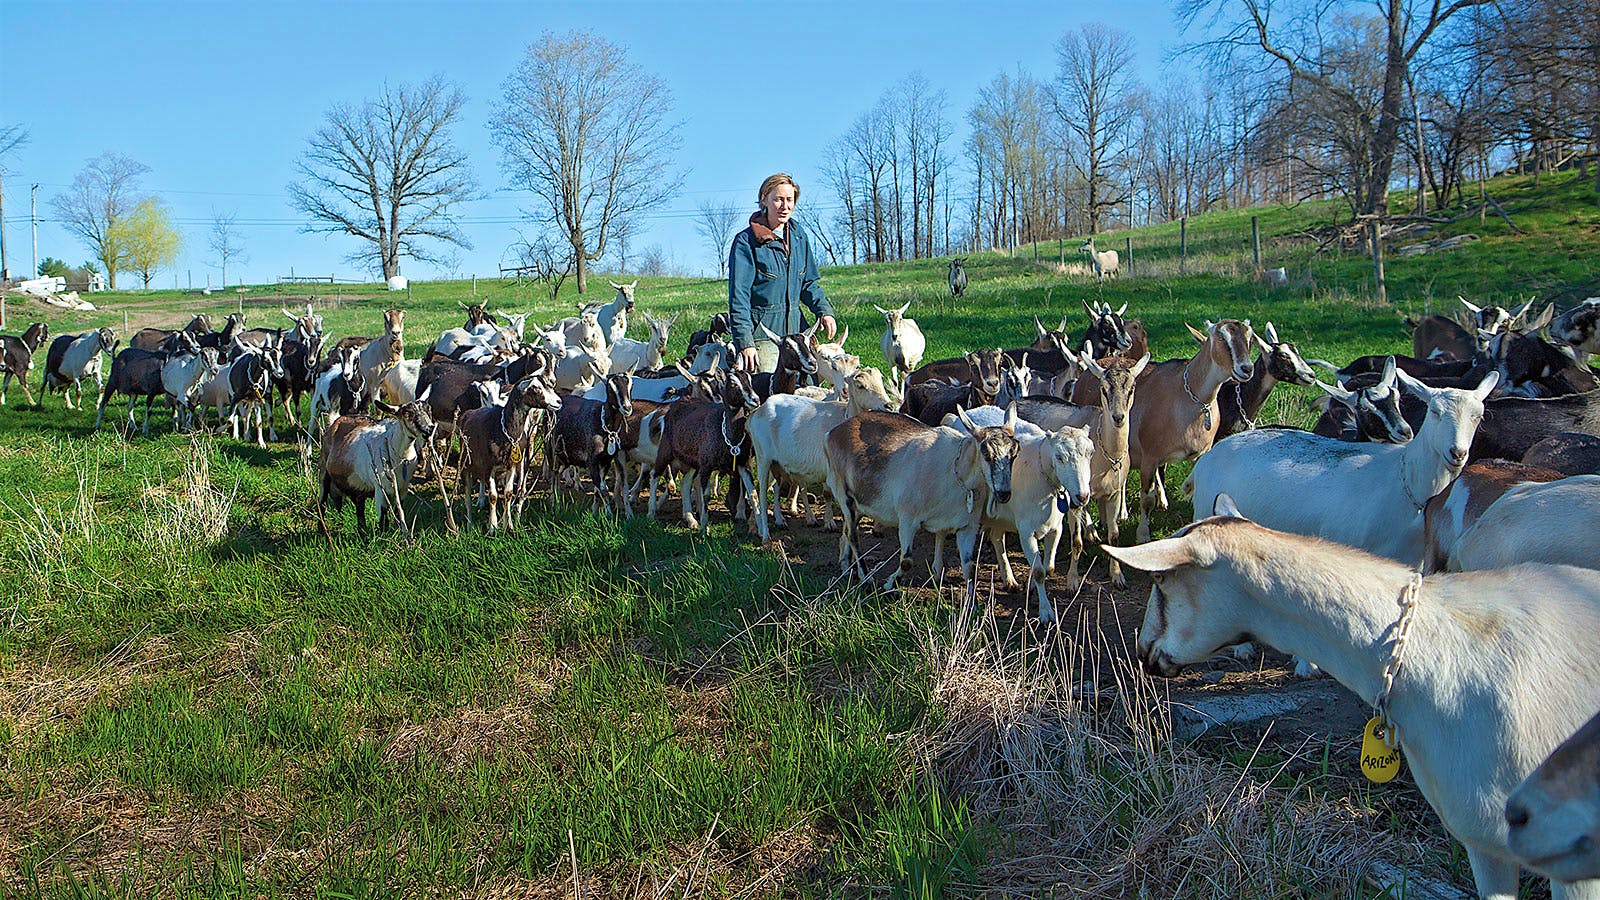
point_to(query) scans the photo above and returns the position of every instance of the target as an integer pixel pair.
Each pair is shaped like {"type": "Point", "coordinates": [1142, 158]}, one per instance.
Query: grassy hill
{"type": "Point", "coordinates": [200, 695]}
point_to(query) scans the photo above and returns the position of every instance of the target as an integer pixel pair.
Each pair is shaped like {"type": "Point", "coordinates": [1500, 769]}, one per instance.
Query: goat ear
{"type": "Point", "coordinates": [1162, 556]}
{"type": "Point", "coordinates": [1468, 304]}
{"type": "Point", "coordinates": [1486, 386]}
{"type": "Point", "coordinates": [1224, 506]}
{"type": "Point", "coordinates": [1090, 310]}
{"type": "Point", "coordinates": [881, 309]}
{"type": "Point", "coordinates": [844, 336]}
{"type": "Point", "coordinates": [1123, 309]}
{"type": "Point", "coordinates": [1418, 388]}
{"type": "Point", "coordinates": [1138, 367]}
{"type": "Point", "coordinates": [385, 408]}
{"type": "Point", "coordinates": [1272, 334]}
{"type": "Point", "coordinates": [423, 397]}
{"type": "Point", "coordinates": [1199, 337]}
{"type": "Point", "coordinates": [292, 317]}
{"type": "Point", "coordinates": [902, 310]}
{"type": "Point", "coordinates": [1011, 416]}
{"type": "Point", "coordinates": [768, 332]}
{"type": "Point", "coordinates": [682, 371]}
{"type": "Point", "coordinates": [1039, 327]}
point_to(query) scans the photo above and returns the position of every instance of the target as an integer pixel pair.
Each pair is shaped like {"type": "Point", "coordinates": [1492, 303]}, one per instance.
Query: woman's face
{"type": "Point", "coordinates": [780, 205]}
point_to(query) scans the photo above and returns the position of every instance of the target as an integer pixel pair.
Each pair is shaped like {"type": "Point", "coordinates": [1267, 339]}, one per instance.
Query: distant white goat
{"type": "Point", "coordinates": [902, 343]}
{"type": "Point", "coordinates": [1106, 263]}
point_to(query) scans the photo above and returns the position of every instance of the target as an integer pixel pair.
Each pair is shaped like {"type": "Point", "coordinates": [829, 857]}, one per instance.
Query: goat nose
{"type": "Point", "coordinates": [1003, 496]}
{"type": "Point", "coordinates": [1120, 420]}
{"type": "Point", "coordinates": [1246, 371]}
{"type": "Point", "coordinates": [1516, 814]}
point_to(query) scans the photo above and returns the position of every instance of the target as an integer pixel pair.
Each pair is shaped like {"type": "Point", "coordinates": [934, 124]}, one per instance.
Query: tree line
{"type": "Point", "coordinates": [1279, 101]}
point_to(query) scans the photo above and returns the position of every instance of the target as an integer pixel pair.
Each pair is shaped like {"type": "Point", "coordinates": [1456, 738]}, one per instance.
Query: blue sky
{"type": "Point", "coordinates": [218, 99]}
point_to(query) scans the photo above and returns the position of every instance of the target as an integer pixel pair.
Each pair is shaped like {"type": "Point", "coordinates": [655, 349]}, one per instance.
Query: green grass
{"type": "Point", "coordinates": [239, 705]}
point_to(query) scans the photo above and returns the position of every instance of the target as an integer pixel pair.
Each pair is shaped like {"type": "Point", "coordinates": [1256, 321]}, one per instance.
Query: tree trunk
{"type": "Point", "coordinates": [1382, 289]}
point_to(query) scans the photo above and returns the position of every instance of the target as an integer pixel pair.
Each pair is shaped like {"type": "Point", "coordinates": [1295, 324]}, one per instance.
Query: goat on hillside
{"type": "Point", "coordinates": [1105, 263]}
{"type": "Point", "coordinates": [902, 342]}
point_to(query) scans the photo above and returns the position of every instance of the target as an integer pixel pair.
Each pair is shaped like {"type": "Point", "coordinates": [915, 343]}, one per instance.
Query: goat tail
{"type": "Point", "coordinates": [1188, 485]}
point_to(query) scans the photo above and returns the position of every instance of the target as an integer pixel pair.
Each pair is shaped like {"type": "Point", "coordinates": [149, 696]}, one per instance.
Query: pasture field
{"type": "Point", "coordinates": [200, 695]}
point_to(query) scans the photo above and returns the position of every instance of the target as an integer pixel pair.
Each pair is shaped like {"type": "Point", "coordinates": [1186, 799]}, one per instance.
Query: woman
{"type": "Point", "coordinates": [772, 272]}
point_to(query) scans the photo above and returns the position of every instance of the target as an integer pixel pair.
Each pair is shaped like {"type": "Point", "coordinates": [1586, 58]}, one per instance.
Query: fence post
{"type": "Point", "coordinates": [1128, 246]}
{"type": "Point", "coordinates": [474, 285]}
{"type": "Point", "coordinates": [1183, 244]}
{"type": "Point", "coordinates": [3, 311]}
{"type": "Point", "coordinates": [1255, 241]}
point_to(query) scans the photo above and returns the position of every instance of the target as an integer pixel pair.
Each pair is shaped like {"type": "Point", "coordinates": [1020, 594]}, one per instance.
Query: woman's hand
{"type": "Point", "coordinates": [748, 359]}
{"type": "Point", "coordinates": [829, 326]}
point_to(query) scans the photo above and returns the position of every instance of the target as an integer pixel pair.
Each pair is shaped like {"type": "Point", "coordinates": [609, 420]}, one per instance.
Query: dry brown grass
{"type": "Point", "coordinates": [192, 513]}
{"type": "Point", "coordinates": [1088, 795]}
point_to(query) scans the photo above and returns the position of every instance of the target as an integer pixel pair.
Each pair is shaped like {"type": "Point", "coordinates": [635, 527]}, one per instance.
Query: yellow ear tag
{"type": "Point", "coordinates": [1379, 762]}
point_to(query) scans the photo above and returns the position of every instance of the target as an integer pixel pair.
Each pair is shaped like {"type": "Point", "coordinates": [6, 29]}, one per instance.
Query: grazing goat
{"type": "Point", "coordinates": [628, 355]}
{"type": "Point", "coordinates": [1105, 263]}
{"type": "Point", "coordinates": [496, 443]}
{"type": "Point", "coordinates": [1176, 417]}
{"type": "Point", "coordinates": [1276, 277]}
{"type": "Point", "coordinates": [902, 342]}
{"type": "Point", "coordinates": [1500, 665]}
{"type": "Point", "coordinates": [789, 437]}
{"type": "Point", "coordinates": [136, 373]}
{"type": "Point", "coordinates": [1369, 496]}
{"type": "Point", "coordinates": [957, 276]}
{"type": "Point", "coordinates": [1049, 481]}
{"type": "Point", "coordinates": [363, 458]}
{"type": "Point", "coordinates": [1458, 507]}
{"type": "Point", "coordinates": [1579, 329]}
{"type": "Point", "coordinates": [1554, 814]}
{"type": "Point", "coordinates": [700, 438]}
{"type": "Point", "coordinates": [16, 358]}
{"type": "Point", "coordinates": [73, 358]}
{"type": "Point", "coordinates": [1554, 523]}
{"type": "Point", "coordinates": [914, 477]}
{"type": "Point", "coordinates": [1279, 361]}
{"type": "Point", "coordinates": [588, 433]}
{"type": "Point", "coordinates": [1569, 453]}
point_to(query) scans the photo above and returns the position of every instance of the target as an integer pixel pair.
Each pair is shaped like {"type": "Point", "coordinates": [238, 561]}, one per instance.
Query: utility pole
{"type": "Point", "coordinates": [5, 270]}
{"type": "Point", "coordinates": [33, 214]}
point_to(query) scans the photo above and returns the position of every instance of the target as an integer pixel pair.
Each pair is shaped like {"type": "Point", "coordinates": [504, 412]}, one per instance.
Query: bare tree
{"type": "Point", "coordinates": [386, 171]}
{"type": "Point", "coordinates": [11, 137]}
{"type": "Point", "coordinates": [586, 132]}
{"type": "Point", "coordinates": [718, 221]}
{"type": "Point", "coordinates": [101, 196]}
{"type": "Point", "coordinates": [1093, 96]}
{"type": "Point", "coordinates": [545, 258]}
{"type": "Point", "coordinates": [226, 242]}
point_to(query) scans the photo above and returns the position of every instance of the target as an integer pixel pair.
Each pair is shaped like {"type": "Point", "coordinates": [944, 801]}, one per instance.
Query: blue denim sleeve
{"type": "Point", "coordinates": [741, 279]}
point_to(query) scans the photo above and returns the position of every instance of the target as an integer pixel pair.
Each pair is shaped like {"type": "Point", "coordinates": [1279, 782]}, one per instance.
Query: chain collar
{"type": "Point", "coordinates": [1238, 394]}
{"type": "Point", "coordinates": [734, 449]}
{"type": "Point", "coordinates": [1391, 668]}
{"type": "Point", "coordinates": [1405, 485]}
{"type": "Point", "coordinates": [1117, 462]}
{"type": "Point", "coordinates": [1206, 407]}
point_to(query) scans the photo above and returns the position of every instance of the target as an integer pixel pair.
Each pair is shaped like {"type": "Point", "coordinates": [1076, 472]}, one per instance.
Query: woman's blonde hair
{"type": "Point", "coordinates": [772, 182]}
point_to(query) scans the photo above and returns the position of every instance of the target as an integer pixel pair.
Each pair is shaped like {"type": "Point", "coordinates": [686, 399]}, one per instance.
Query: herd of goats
{"type": "Point", "coordinates": [1478, 454]}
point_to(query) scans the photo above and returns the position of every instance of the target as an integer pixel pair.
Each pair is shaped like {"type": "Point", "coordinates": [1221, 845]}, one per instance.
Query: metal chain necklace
{"type": "Point", "coordinates": [1391, 668]}
{"type": "Point", "coordinates": [1186, 390]}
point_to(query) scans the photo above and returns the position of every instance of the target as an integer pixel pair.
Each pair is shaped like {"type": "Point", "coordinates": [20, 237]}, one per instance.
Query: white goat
{"type": "Point", "coordinates": [1106, 263]}
{"type": "Point", "coordinates": [363, 458]}
{"type": "Point", "coordinates": [790, 432]}
{"type": "Point", "coordinates": [579, 369]}
{"type": "Point", "coordinates": [629, 355]}
{"type": "Point", "coordinates": [902, 342]}
{"type": "Point", "coordinates": [1499, 666]}
{"type": "Point", "coordinates": [1049, 476]}
{"type": "Point", "coordinates": [1369, 496]}
{"type": "Point", "coordinates": [181, 377]}
{"type": "Point", "coordinates": [1553, 522]}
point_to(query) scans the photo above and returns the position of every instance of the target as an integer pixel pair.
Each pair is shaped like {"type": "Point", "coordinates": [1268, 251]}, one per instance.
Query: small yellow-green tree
{"type": "Point", "coordinates": [148, 239]}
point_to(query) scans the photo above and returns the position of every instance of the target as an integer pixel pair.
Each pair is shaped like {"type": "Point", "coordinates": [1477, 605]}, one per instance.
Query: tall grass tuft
{"type": "Point", "coordinates": [1066, 754]}
{"type": "Point", "coordinates": [195, 513]}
